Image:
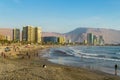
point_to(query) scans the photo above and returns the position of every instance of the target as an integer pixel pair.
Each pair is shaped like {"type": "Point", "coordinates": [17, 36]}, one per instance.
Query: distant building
{"type": "Point", "coordinates": [8, 38]}
{"type": "Point", "coordinates": [101, 40]}
{"type": "Point", "coordinates": [68, 41]}
{"type": "Point", "coordinates": [50, 39]}
{"type": "Point", "coordinates": [90, 38]}
{"type": "Point", "coordinates": [95, 41]}
{"type": "Point", "coordinates": [2, 37]}
{"type": "Point", "coordinates": [16, 34]}
{"type": "Point", "coordinates": [7, 32]}
{"type": "Point", "coordinates": [85, 42]}
{"type": "Point", "coordinates": [38, 34]}
{"type": "Point", "coordinates": [31, 34]}
{"type": "Point", "coordinates": [61, 40]}
{"type": "Point", "coordinates": [24, 34]}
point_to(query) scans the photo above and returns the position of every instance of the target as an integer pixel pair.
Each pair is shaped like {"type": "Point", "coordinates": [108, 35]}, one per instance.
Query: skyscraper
{"type": "Point", "coordinates": [90, 38]}
{"type": "Point", "coordinates": [31, 34]}
{"type": "Point", "coordinates": [95, 42]}
{"type": "Point", "coordinates": [16, 34]}
{"type": "Point", "coordinates": [24, 34]}
{"type": "Point", "coordinates": [38, 34]}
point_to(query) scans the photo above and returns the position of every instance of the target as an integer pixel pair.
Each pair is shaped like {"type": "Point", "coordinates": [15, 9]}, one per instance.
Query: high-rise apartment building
{"type": "Point", "coordinates": [24, 34]}
{"type": "Point", "coordinates": [38, 34]}
{"type": "Point", "coordinates": [31, 34]}
{"type": "Point", "coordinates": [16, 34]}
{"type": "Point", "coordinates": [90, 38]}
{"type": "Point", "coordinates": [95, 41]}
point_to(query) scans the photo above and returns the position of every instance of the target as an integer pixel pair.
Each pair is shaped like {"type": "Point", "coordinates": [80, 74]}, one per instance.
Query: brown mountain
{"type": "Point", "coordinates": [110, 36]}
{"type": "Point", "coordinates": [46, 34]}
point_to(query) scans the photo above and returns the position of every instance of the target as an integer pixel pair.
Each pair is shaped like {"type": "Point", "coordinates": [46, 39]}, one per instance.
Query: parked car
{"type": "Point", "coordinates": [7, 49]}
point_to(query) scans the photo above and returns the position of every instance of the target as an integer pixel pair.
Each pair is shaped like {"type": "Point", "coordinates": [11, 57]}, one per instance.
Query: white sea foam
{"type": "Point", "coordinates": [118, 53]}
{"type": "Point", "coordinates": [79, 53]}
{"type": "Point", "coordinates": [100, 58]}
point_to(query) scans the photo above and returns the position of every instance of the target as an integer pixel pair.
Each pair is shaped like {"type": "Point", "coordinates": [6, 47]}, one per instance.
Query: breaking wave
{"type": "Point", "coordinates": [79, 53]}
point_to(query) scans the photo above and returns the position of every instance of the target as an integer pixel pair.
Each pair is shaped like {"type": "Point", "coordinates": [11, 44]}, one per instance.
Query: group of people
{"type": "Point", "coordinates": [29, 56]}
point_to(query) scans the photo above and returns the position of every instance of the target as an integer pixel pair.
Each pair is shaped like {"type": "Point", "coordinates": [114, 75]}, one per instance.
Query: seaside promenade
{"type": "Point", "coordinates": [25, 63]}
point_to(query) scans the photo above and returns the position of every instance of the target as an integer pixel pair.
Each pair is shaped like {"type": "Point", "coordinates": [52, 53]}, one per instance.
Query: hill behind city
{"type": "Point", "coordinates": [79, 34]}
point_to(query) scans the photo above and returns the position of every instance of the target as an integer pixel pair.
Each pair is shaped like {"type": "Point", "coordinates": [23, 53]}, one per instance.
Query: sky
{"type": "Point", "coordinates": [60, 15]}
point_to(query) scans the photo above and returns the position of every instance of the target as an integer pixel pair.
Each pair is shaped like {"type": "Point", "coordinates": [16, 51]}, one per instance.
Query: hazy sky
{"type": "Point", "coordinates": [60, 15]}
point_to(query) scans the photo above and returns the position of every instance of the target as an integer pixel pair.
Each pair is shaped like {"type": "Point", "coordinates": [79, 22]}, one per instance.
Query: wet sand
{"type": "Point", "coordinates": [26, 64]}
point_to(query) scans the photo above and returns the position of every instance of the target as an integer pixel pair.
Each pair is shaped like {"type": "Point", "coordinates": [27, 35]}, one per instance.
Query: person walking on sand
{"type": "Point", "coordinates": [116, 66]}
{"type": "Point", "coordinates": [29, 56]}
{"type": "Point", "coordinates": [37, 54]}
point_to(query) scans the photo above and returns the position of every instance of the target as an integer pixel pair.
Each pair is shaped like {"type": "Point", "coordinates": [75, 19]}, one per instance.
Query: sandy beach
{"type": "Point", "coordinates": [25, 63]}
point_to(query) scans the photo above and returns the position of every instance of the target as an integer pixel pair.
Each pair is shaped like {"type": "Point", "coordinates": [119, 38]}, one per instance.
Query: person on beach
{"type": "Point", "coordinates": [116, 69]}
{"type": "Point", "coordinates": [4, 56]}
{"type": "Point", "coordinates": [37, 54]}
{"type": "Point", "coordinates": [27, 54]}
{"type": "Point", "coordinates": [15, 49]}
{"type": "Point", "coordinates": [2, 53]}
{"type": "Point", "coordinates": [44, 66]}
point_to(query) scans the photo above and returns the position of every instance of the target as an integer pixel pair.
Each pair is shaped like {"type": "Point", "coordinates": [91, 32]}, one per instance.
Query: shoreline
{"type": "Point", "coordinates": [32, 69]}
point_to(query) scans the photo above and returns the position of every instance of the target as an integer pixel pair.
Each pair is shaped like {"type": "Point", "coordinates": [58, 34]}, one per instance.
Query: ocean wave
{"type": "Point", "coordinates": [101, 58]}
{"type": "Point", "coordinates": [78, 53]}
{"type": "Point", "coordinates": [60, 52]}
{"type": "Point", "coordinates": [89, 54]}
{"type": "Point", "coordinates": [115, 57]}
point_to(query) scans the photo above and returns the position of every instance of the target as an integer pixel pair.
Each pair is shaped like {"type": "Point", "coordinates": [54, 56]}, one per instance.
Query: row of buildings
{"type": "Point", "coordinates": [94, 39]}
{"type": "Point", "coordinates": [32, 34]}
{"type": "Point", "coordinates": [3, 37]}
{"type": "Point", "coordinates": [29, 34]}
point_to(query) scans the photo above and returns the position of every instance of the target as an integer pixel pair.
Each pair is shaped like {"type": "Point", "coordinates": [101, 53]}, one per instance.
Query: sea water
{"type": "Point", "coordinates": [102, 58]}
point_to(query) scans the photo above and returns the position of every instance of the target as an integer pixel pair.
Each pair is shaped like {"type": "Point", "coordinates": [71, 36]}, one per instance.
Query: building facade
{"type": "Point", "coordinates": [24, 34]}
{"type": "Point", "coordinates": [2, 37]}
{"type": "Point", "coordinates": [50, 39]}
{"type": "Point", "coordinates": [101, 40]}
{"type": "Point", "coordinates": [90, 38]}
{"type": "Point", "coordinates": [61, 40]}
{"type": "Point", "coordinates": [95, 40]}
{"type": "Point", "coordinates": [38, 34]}
{"type": "Point", "coordinates": [16, 34]}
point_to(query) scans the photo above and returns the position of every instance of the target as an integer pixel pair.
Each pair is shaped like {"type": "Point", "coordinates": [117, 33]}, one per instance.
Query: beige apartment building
{"type": "Point", "coordinates": [61, 40]}
{"type": "Point", "coordinates": [16, 34]}
{"type": "Point", "coordinates": [2, 37]}
{"type": "Point", "coordinates": [38, 35]}
{"type": "Point", "coordinates": [31, 34]}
